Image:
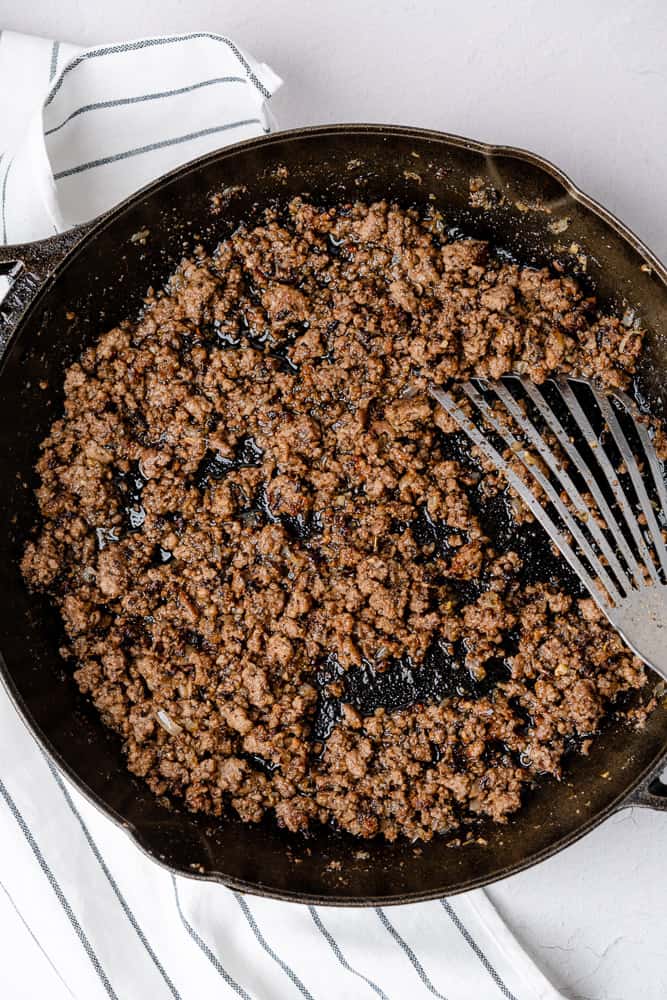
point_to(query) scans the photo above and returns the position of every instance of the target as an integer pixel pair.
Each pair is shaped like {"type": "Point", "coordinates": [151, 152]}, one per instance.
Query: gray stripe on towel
{"type": "Point", "coordinates": [62, 899]}
{"type": "Point", "coordinates": [199, 941]}
{"type": "Point", "coordinates": [147, 43]}
{"type": "Point", "coordinates": [289, 972]}
{"type": "Point", "coordinates": [162, 144]}
{"type": "Point", "coordinates": [4, 199]}
{"type": "Point", "coordinates": [55, 49]}
{"type": "Point", "coordinates": [122, 101]}
{"type": "Point", "coordinates": [339, 954]}
{"type": "Point", "coordinates": [418, 967]}
{"type": "Point", "coordinates": [34, 937]}
{"type": "Point", "coordinates": [460, 926]}
{"type": "Point", "coordinates": [111, 880]}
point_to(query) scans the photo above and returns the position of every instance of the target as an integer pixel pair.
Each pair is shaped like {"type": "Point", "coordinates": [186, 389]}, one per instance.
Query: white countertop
{"type": "Point", "coordinates": [584, 84]}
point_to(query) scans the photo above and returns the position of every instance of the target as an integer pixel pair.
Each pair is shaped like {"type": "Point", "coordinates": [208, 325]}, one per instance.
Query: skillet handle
{"type": "Point", "coordinates": [651, 793]}
{"type": "Point", "coordinates": [24, 269]}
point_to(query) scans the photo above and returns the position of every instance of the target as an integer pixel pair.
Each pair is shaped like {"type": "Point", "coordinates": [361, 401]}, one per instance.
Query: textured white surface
{"type": "Point", "coordinates": [584, 84]}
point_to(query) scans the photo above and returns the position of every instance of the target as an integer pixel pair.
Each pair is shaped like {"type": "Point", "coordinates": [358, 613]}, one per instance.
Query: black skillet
{"type": "Point", "coordinates": [70, 288]}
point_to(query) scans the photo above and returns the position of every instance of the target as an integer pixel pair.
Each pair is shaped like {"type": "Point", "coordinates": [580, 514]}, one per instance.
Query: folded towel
{"type": "Point", "coordinates": [84, 913]}
{"type": "Point", "coordinates": [83, 128]}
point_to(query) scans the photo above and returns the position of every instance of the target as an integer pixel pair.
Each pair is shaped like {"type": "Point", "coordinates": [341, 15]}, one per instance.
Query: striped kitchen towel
{"type": "Point", "coordinates": [83, 912]}
{"type": "Point", "coordinates": [80, 129]}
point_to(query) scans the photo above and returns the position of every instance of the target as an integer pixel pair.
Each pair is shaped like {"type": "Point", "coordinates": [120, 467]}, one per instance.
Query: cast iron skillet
{"type": "Point", "coordinates": [71, 287]}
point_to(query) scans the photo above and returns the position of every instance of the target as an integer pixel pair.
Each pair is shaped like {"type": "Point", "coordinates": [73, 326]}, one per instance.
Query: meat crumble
{"type": "Point", "coordinates": [284, 580]}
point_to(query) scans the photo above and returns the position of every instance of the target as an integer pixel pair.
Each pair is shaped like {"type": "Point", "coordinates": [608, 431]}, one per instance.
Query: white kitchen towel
{"type": "Point", "coordinates": [83, 128]}
{"type": "Point", "coordinates": [83, 912]}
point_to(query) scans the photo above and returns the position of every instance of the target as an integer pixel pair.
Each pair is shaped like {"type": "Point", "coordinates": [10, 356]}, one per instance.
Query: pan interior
{"type": "Point", "coordinates": [527, 211]}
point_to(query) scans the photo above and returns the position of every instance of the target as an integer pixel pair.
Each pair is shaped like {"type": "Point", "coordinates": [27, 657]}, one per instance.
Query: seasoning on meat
{"type": "Point", "coordinates": [284, 580]}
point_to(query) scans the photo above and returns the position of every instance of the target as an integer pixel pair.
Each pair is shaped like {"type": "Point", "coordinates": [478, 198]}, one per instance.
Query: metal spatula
{"type": "Point", "coordinates": [584, 464]}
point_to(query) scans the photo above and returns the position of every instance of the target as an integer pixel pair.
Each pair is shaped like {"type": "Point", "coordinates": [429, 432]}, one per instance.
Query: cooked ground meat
{"type": "Point", "coordinates": [284, 581]}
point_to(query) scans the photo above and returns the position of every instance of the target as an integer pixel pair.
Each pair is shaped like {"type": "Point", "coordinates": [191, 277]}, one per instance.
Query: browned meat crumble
{"type": "Point", "coordinates": [276, 566]}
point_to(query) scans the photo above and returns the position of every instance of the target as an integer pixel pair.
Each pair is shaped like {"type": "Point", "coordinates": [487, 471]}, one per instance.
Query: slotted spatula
{"type": "Point", "coordinates": [584, 464]}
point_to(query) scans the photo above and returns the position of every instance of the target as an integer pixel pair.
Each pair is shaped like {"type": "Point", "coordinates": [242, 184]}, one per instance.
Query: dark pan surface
{"type": "Point", "coordinates": [104, 280]}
